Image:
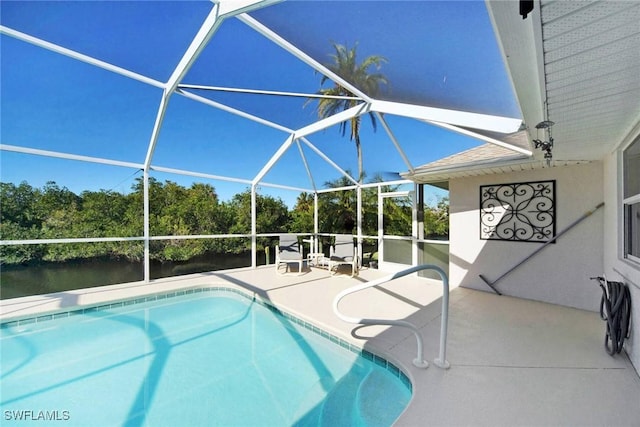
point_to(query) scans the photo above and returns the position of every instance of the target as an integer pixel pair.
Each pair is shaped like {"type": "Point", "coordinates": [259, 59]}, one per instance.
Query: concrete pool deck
{"type": "Point", "coordinates": [513, 361]}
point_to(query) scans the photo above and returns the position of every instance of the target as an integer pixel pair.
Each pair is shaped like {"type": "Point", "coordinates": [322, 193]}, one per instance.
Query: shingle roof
{"type": "Point", "coordinates": [484, 159]}
{"type": "Point", "coordinates": [474, 155]}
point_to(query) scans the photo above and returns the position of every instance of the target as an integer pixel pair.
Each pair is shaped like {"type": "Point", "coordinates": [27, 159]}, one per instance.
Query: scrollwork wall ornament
{"type": "Point", "coordinates": [523, 212]}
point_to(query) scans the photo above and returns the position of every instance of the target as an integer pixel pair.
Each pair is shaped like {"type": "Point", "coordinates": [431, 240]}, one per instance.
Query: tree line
{"type": "Point", "coordinates": [53, 212]}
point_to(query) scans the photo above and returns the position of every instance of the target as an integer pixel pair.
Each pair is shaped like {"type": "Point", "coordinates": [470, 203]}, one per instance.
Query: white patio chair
{"type": "Point", "coordinates": [343, 252]}
{"type": "Point", "coordinates": [288, 251]}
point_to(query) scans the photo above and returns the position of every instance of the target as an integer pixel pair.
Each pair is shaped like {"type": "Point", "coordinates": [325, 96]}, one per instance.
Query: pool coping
{"type": "Point", "coordinates": [371, 356]}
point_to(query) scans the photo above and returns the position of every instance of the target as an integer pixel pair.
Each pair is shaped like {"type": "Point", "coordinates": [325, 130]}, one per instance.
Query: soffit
{"type": "Point", "coordinates": [572, 62]}
{"type": "Point", "coordinates": [592, 58]}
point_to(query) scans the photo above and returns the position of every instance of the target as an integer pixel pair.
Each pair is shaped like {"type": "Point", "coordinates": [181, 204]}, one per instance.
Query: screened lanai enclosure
{"type": "Point", "coordinates": [173, 130]}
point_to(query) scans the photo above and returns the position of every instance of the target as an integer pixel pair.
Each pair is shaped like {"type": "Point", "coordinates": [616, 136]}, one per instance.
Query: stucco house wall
{"type": "Point", "coordinates": [559, 273]}
{"type": "Point", "coordinates": [615, 266]}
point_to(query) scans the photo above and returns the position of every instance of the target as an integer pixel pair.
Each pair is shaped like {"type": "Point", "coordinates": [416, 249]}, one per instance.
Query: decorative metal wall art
{"type": "Point", "coordinates": [523, 212]}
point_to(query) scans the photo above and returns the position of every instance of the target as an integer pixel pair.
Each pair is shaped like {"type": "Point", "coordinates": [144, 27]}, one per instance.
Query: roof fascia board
{"type": "Point", "coordinates": [520, 42]}
{"type": "Point", "coordinates": [453, 117]}
{"type": "Point", "coordinates": [437, 172]}
{"type": "Point", "coordinates": [481, 164]}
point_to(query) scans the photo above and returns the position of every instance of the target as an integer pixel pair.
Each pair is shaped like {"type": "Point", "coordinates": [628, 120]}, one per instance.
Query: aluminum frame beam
{"type": "Point", "coordinates": [306, 165]}
{"type": "Point", "coordinates": [328, 160]}
{"type": "Point", "coordinates": [481, 137]}
{"type": "Point", "coordinates": [452, 117]}
{"type": "Point", "coordinates": [79, 56]}
{"type": "Point", "coordinates": [387, 129]}
{"type": "Point", "coordinates": [264, 92]}
{"type": "Point", "coordinates": [66, 156]}
{"type": "Point", "coordinates": [199, 174]}
{"type": "Point", "coordinates": [219, 12]}
{"type": "Point", "coordinates": [274, 159]}
{"type": "Point", "coordinates": [286, 45]}
{"type": "Point", "coordinates": [333, 120]}
{"type": "Point", "coordinates": [232, 110]}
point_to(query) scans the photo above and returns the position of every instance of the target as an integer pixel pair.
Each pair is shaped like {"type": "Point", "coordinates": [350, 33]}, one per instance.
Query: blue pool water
{"type": "Point", "coordinates": [204, 358]}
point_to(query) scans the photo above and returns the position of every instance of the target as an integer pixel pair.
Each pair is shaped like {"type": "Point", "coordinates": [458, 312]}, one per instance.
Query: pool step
{"type": "Point", "coordinates": [372, 395]}
{"type": "Point", "coordinates": [309, 409]}
{"type": "Point", "coordinates": [339, 408]}
{"type": "Point", "coordinates": [336, 409]}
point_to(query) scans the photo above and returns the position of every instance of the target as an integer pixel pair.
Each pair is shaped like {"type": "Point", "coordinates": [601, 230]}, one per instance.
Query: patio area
{"type": "Point", "coordinates": [513, 361]}
{"type": "Point", "coordinates": [213, 95]}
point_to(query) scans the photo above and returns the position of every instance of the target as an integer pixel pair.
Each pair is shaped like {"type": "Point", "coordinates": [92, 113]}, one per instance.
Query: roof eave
{"type": "Point", "coordinates": [419, 175]}
{"type": "Point", "coordinates": [488, 167]}
{"type": "Point", "coordinates": [520, 43]}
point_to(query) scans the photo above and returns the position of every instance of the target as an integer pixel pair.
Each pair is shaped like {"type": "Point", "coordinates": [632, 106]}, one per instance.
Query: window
{"type": "Point", "coordinates": [631, 200]}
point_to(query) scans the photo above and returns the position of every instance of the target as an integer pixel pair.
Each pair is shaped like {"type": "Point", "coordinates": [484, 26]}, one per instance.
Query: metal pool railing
{"type": "Point", "coordinates": [441, 360]}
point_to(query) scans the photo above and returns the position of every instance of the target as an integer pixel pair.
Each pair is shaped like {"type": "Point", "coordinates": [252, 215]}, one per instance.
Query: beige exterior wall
{"type": "Point", "coordinates": [615, 266]}
{"type": "Point", "coordinates": [559, 273]}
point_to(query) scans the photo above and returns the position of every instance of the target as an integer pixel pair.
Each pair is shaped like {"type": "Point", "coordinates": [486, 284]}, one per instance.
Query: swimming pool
{"type": "Point", "coordinates": [207, 356]}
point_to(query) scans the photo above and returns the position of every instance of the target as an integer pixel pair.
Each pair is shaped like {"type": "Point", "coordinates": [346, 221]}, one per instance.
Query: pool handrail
{"type": "Point", "coordinates": [441, 360]}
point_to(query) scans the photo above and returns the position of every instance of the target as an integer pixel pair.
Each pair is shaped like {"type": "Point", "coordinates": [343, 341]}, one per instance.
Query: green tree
{"type": "Point", "coordinates": [103, 213]}
{"type": "Point", "coordinates": [396, 211]}
{"type": "Point", "coordinates": [54, 198]}
{"type": "Point", "coordinates": [436, 219]}
{"type": "Point", "coordinates": [337, 209]}
{"type": "Point", "coordinates": [19, 254]}
{"type": "Point", "coordinates": [58, 210]}
{"type": "Point", "coordinates": [345, 65]}
{"type": "Point", "coordinates": [272, 216]}
{"type": "Point", "coordinates": [19, 221]}
{"type": "Point", "coordinates": [302, 214]}
{"type": "Point", "coordinates": [397, 216]}
{"type": "Point", "coordinates": [18, 204]}
{"type": "Point", "coordinates": [203, 210]}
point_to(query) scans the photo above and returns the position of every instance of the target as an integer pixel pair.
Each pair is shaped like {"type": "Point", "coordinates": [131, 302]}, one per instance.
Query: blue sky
{"type": "Point", "coordinates": [441, 54]}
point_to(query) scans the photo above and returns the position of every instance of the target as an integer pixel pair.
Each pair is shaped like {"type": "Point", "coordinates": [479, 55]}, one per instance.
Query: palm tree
{"type": "Point", "coordinates": [302, 214]}
{"type": "Point", "coordinates": [346, 66]}
{"type": "Point", "coordinates": [338, 208]}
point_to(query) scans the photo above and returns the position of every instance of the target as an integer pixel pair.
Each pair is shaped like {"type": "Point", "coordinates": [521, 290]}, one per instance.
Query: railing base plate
{"type": "Point", "coordinates": [422, 364]}
{"type": "Point", "coordinates": [441, 364]}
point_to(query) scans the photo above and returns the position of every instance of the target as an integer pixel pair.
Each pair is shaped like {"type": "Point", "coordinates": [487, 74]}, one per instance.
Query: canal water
{"type": "Point", "coordinates": [19, 281]}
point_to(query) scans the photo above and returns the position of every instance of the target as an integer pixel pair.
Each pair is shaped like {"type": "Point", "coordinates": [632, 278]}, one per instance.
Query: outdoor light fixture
{"type": "Point", "coordinates": [526, 7]}
{"type": "Point", "coordinates": [545, 146]}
